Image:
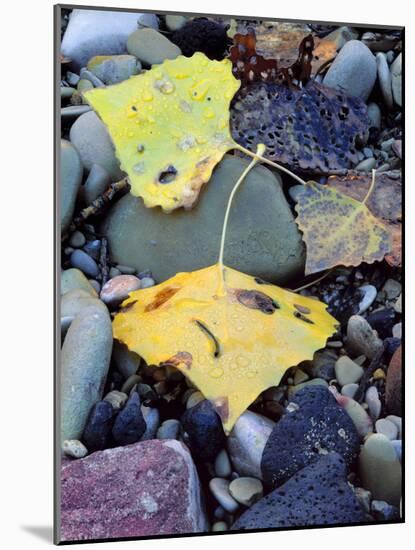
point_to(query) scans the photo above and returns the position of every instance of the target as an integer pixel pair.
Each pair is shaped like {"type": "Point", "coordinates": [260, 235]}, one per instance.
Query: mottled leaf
{"type": "Point", "coordinates": [232, 340]}
{"type": "Point", "coordinates": [170, 126]}
{"type": "Point", "coordinates": [338, 230]}
{"type": "Point", "coordinates": [385, 202]}
{"type": "Point", "coordinates": [312, 128]}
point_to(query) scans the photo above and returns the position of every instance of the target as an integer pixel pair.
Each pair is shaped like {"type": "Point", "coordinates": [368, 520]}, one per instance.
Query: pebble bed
{"type": "Point", "coordinates": [322, 447]}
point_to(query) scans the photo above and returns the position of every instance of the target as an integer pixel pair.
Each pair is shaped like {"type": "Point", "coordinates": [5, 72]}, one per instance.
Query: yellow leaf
{"type": "Point", "coordinates": [170, 126]}
{"type": "Point", "coordinates": [233, 338]}
{"type": "Point", "coordinates": [338, 230]}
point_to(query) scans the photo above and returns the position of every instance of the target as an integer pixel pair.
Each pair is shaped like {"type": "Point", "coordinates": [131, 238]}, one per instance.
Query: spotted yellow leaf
{"type": "Point", "coordinates": [170, 126]}
{"type": "Point", "coordinates": [338, 230]}
{"type": "Point", "coordinates": [232, 337]}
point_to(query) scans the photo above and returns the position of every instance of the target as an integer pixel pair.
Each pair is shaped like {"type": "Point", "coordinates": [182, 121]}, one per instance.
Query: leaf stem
{"type": "Point", "coordinates": [258, 155]}
{"type": "Point", "coordinates": [313, 282]}
{"type": "Point", "coordinates": [255, 159]}
{"type": "Point", "coordinates": [371, 187]}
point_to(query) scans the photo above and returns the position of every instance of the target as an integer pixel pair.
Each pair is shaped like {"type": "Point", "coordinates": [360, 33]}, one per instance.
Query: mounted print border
{"type": "Point", "coordinates": [229, 284]}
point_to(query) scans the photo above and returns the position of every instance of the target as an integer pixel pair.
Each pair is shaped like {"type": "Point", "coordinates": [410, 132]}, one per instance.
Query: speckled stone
{"type": "Point", "coordinates": [160, 493]}
{"type": "Point", "coordinates": [316, 495]}
{"type": "Point", "coordinates": [313, 425]}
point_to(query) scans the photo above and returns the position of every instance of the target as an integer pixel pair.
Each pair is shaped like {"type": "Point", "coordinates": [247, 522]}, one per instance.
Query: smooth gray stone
{"type": "Point", "coordinates": [99, 32]}
{"type": "Point", "coordinates": [151, 47]}
{"type": "Point", "coordinates": [74, 111]}
{"type": "Point", "coordinates": [113, 69]}
{"type": "Point", "coordinates": [90, 137]}
{"type": "Point", "coordinates": [85, 359]}
{"type": "Point", "coordinates": [353, 71]}
{"type": "Point", "coordinates": [71, 171]}
{"type": "Point", "coordinates": [175, 22]}
{"type": "Point", "coordinates": [374, 114]}
{"type": "Point", "coordinates": [385, 79]}
{"type": "Point", "coordinates": [74, 278]}
{"type": "Point", "coordinates": [74, 301]}
{"type": "Point", "coordinates": [262, 240]}
{"type": "Point", "coordinates": [396, 72]}
{"type": "Point", "coordinates": [81, 260]}
{"type": "Point", "coordinates": [126, 361]}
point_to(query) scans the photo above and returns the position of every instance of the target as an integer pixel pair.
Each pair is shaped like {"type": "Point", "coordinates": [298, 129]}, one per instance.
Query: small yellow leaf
{"type": "Point", "coordinates": [232, 340]}
{"type": "Point", "coordinates": [338, 230]}
{"type": "Point", "coordinates": [170, 126]}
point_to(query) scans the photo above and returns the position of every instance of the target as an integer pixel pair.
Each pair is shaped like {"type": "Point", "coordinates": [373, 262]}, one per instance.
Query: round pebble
{"type": "Point", "coordinates": [126, 269]}
{"type": "Point", "coordinates": [347, 371]}
{"type": "Point", "coordinates": [77, 239]}
{"type": "Point", "coordinates": [147, 282]}
{"type": "Point", "coordinates": [117, 399]}
{"type": "Point", "coordinates": [74, 448]}
{"type": "Point", "coordinates": [222, 464]}
{"type": "Point", "coordinates": [385, 79]}
{"type": "Point", "coordinates": [117, 289]}
{"type": "Point", "coordinates": [130, 383]}
{"type": "Point", "coordinates": [169, 429]}
{"type": "Point", "coordinates": [380, 469]}
{"type": "Point", "coordinates": [361, 339]}
{"type": "Point", "coordinates": [387, 428]}
{"type": "Point", "coordinates": [373, 402]}
{"type": "Point", "coordinates": [397, 330]}
{"type": "Point", "coordinates": [349, 390]}
{"type": "Point", "coordinates": [219, 526]}
{"type": "Point", "coordinates": [366, 165]}
{"type": "Point", "coordinates": [220, 490]}
{"type": "Point", "coordinates": [114, 272]}
{"type": "Point", "coordinates": [85, 263]}
{"type": "Point", "coordinates": [369, 293]}
{"type": "Point", "coordinates": [246, 490]}
{"type": "Point", "coordinates": [397, 420]}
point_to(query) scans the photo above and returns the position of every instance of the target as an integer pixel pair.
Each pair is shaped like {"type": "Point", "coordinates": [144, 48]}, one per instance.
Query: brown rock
{"type": "Point", "coordinates": [393, 393]}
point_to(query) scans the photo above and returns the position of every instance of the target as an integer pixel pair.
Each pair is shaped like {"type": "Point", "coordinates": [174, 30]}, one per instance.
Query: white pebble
{"type": "Point", "coordinates": [373, 402]}
{"type": "Point", "coordinates": [222, 464]}
{"type": "Point", "coordinates": [74, 448]}
{"type": "Point", "coordinates": [387, 428]}
{"type": "Point", "coordinates": [369, 296]}
{"type": "Point", "coordinates": [220, 490]}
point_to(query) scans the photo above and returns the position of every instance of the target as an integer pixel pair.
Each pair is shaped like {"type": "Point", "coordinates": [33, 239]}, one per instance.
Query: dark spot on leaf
{"type": "Point", "coordinates": [299, 315]}
{"type": "Point", "coordinates": [134, 108]}
{"type": "Point", "coordinates": [254, 299]}
{"type": "Point", "coordinates": [168, 175]}
{"type": "Point", "coordinates": [161, 298]}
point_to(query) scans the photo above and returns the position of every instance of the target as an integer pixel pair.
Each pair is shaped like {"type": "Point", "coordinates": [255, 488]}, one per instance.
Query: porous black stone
{"type": "Point", "coordinates": [313, 425]}
{"type": "Point", "coordinates": [129, 424]}
{"type": "Point", "coordinates": [98, 426]}
{"type": "Point", "coordinates": [316, 495]}
{"type": "Point", "coordinates": [205, 431]}
{"type": "Point", "coordinates": [202, 35]}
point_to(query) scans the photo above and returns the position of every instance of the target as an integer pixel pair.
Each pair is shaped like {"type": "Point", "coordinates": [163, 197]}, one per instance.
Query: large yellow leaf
{"type": "Point", "coordinates": [170, 126]}
{"type": "Point", "coordinates": [232, 339]}
{"type": "Point", "coordinates": [338, 230]}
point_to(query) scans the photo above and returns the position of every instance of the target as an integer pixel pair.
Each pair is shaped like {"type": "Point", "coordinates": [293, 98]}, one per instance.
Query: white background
{"type": "Point", "coordinates": [26, 291]}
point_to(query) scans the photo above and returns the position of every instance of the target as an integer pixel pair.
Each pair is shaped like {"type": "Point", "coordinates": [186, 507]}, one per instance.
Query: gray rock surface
{"type": "Point", "coordinates": [396, 72]}
{"type": "Point", "coordinates": [85, 359]}
{"type": "Point", "coordinates": [353, 71]}
{"type": "Point", "coordinates": [151, 47]}
{"type": "Point", "coordinates": [91, 139]}
{"type": "Point", "coordinates": [263, 239]}
{"type": "Point", "coordinates": [71, 171]}
{"type": "Point", "coordinates": [99, 32]}
{"type": "Point", "coordinates": [111, 69]}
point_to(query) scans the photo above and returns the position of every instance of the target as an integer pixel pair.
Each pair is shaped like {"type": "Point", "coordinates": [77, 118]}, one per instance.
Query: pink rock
{"type": "Point", "coordinates": [149, 488]}
{"type": "Point", "coordinates": [117, 289]}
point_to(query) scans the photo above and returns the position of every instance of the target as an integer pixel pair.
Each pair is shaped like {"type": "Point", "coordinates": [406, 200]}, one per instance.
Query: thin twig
{"type": "Point", "coordinates": [98, 205]}
{"type": "Point", "coordinates": [103, 261]}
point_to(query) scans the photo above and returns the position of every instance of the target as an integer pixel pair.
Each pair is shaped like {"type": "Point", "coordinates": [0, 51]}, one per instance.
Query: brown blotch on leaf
{"type": "Point", "coordinates": [181, 358]}
{"type": "Point", "coordinates": [254, 299]}
{"type": "Point", "coordinates": [161, 298]}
